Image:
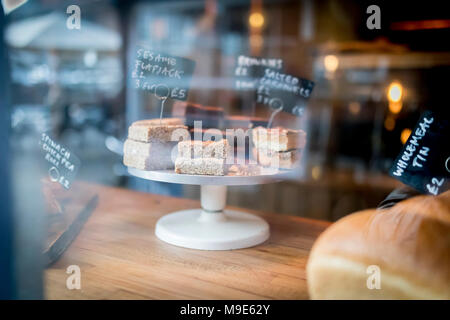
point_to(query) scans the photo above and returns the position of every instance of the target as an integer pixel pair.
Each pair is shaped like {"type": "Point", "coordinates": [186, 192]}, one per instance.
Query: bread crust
{"type": "Point", "coordinates": [409, 242]}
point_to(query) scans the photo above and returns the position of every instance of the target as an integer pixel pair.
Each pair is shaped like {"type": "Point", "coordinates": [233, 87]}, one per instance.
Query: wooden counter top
{"type": "Point", "coordinates": [120, 257]}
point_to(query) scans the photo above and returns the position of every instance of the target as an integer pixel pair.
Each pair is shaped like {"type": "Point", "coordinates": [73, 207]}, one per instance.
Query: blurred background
{"type": "Point", "coordinates": [371, 86]}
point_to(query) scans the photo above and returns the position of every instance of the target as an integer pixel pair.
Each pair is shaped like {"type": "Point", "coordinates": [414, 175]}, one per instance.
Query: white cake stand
{"type": "Point", "coordinates": [211, 227]}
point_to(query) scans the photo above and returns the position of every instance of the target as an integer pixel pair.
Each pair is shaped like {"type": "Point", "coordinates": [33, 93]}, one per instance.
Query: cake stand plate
{"type": "Point", "coordinates": [211, 227]}
{"type": "Point", "coordinates": [221, 231]}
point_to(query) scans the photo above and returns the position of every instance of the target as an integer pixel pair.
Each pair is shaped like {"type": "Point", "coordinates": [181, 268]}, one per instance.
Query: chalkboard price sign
{"type": "Point", "coordinates": [423, 162]}
{"type": "Point", "coordinates": [272, 87]}
{"type": "Point", "coordinates": [164, 75]}
{"type": "Point", "coordinates": [250, 69]}
{"type": "Point", "coordinates": [62, 163]}
{"type": "Point", "coordinates": [283, 91]}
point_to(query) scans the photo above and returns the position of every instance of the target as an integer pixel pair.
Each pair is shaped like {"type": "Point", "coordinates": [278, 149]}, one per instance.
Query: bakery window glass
{"type": "Point", "coordinates": [292, 107]}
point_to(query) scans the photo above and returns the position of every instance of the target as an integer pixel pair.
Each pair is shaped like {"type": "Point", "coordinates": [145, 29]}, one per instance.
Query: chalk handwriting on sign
{"type": "Point", "coordinates": [63, 164]}
{"type": "Point", "coordinates": [161, 74]}
{"type": "Point", "coordinates": [434, 186]}
{"type": "Point", "coordinates": [422, 161]}
{"type": "Point", "coordinates": [273, 88]}
{"type": "Point", "coordinates": [283, 91]}
{"type": "Point", "coordinates": [249, 69]}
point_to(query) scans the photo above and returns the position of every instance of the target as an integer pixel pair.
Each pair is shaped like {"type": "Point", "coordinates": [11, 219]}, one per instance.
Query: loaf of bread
{"type": "Point", "coordinates": [406, 248]}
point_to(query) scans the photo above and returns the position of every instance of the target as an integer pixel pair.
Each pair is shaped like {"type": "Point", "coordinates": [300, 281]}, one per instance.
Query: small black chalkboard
{"type": "Point", "coordinates": [283, 91]}
{"type": "Point", "coordinates": [164, 75]}
{"type": "Point", "coordinates": [272, 87]}
{"type": "Point", "coordinates": [62, 163]}
{"type": "Point", "coordinates": [424, 162]}
{"type": "Point", "coordinates": [249, 70]}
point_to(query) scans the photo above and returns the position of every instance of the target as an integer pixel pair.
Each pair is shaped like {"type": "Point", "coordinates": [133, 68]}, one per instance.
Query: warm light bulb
{"type": "Point", "coordinates": [395, 92]}
{"type": "Point", "coordinates": [256, 20]}
{"type": "Point", "coordinates": [331, 63]}
{"type": "Point", "coordinates": [405, 135]}
{"type": "Point", "coordinates": [395, 107]}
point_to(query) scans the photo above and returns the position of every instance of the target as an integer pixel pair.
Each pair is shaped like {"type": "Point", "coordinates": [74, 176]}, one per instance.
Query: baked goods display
{"type": "Point", "coordinates": [244, 170]}
{"type": "Point", "coordinates": [202, 157]}
{"type": "Point", "coordinates": [151, 130]}
{"type": "Point", "coordinates": [279, 159]}
{"type": "Point", "coordinates": [149, 145]}
{"type": "Point", "coordinates": [148, 155]}
{"type": "Point", "coordinates": [203, 149]}
{"type": "Point", "coordinates": [409, 244]}
{"type": "Point", "coordinates": [278, 147]}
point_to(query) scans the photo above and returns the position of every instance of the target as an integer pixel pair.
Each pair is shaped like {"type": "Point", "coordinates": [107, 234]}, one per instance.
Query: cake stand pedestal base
{"type": "Point", "coordinates": [212, 227]}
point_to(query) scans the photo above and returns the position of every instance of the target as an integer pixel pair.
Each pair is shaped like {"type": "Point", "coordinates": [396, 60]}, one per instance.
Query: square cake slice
{"type": "Point", "coordinates": [149, 155]}
{"type": "Point", "coordinates": [278, 139]}
{"type": "Point", "coordinates": [147, 163]}
{"type": "Point", "coordinates": [201, 166]}
{"type": "Point", "coordinates": [203, 149]}
{"type": "Point", "coordinates": [155, 129]}
{"type": "Point", "coordinates": [147, 149]}
{"type": "Point", "coordinates": [281, 160]}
